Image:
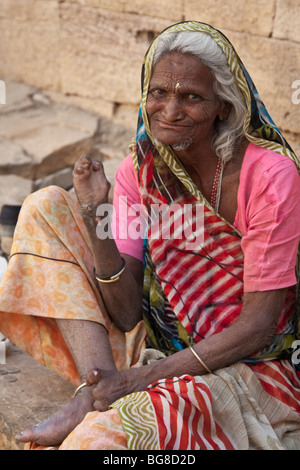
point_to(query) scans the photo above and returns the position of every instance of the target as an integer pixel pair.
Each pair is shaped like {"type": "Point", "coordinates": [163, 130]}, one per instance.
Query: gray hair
{"type": "Point", "coordinates": [229, 132]}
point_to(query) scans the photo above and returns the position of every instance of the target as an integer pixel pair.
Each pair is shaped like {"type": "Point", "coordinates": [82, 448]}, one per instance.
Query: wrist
{"type": "Point", "coordinates": [97, 217]}
{"type": "Point", "coordinates": [148, 374]}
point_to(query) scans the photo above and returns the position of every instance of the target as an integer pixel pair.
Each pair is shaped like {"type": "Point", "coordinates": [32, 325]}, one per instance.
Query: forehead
{"type": "Point", "coordinates": [185, 69]}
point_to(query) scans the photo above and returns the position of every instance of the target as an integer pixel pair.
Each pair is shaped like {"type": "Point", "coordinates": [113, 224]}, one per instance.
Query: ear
{"type": "Point", "coordinates": [224, 111]}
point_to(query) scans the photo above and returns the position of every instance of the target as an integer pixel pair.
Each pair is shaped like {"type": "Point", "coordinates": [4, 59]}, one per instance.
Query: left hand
{"type": "Point", "coordinates": [110, 386]}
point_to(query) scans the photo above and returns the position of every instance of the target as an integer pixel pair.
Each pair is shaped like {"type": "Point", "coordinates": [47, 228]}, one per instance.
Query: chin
{"type": "Point", "coordinates": [183, 145]}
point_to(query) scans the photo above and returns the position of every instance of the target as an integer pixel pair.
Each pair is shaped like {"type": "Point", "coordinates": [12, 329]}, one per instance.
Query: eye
{"type": "Point", "coordinates": [157, 92]}
{"type": "Point", "coordinates": [193, 97]}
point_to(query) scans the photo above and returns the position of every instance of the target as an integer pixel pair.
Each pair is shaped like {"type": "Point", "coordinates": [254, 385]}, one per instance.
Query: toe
{"type": "Point", "coordinates": [25, 436]}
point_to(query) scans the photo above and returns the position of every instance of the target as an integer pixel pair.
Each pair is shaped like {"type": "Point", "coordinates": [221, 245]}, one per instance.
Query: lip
{"type": "Point", "coordinates": [167, 125]}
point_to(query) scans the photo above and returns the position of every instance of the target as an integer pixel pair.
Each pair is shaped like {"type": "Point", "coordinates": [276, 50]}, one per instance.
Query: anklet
{"type": "Point", "coordinates": [84, 384]}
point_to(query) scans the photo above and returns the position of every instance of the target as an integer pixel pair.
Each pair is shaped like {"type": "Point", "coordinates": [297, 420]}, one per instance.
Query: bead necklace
{"type": "Point", "coordinates": [217, 186]}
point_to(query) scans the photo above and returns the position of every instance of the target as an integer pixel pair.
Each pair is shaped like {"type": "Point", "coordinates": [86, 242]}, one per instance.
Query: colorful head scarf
{"type": "Point", "coordinates": [267, 133]}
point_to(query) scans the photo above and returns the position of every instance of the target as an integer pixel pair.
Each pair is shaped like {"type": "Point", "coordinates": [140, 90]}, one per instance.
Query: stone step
{"type": "Point", "coordinates": [39, 139]}
{"type": "Point", "coordinates": [29, 394]}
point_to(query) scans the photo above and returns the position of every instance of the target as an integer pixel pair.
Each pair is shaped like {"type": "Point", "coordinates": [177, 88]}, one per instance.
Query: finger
{"type": "Point", "coordinates": [83, 160]}
{"type": "Point", "coordinates": [82, 163]}
{"type": "Point", "coordinates": [80, 168]}
{"type": "Point", "coordinates": [93, 377]}
{"type": "Point", "coordinates": [96, 165]}
{"type": "Point", "coordinates": [100, 406]}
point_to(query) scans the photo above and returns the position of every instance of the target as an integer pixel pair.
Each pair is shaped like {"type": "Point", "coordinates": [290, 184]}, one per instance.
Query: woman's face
{"type": "Point", "coordinates": [182, 106]}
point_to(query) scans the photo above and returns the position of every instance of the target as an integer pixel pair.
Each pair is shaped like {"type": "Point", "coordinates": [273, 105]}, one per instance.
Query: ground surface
{"type": "Point", "coordinates": [29, 393]}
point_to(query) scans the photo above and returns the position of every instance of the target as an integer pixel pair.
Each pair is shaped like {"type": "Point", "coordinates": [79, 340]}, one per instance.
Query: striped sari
{"type": "Point", "coordinates": [193, 288]}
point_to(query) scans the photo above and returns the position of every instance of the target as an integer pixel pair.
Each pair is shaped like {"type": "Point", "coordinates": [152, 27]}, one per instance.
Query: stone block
{"type": "Point", "coordinates": [116, 135]}
{"type": "Point", "coordinates": [35, 395]}
{"type": "Point", "coordinates": [287, 20]}
{"type": "Point", "coordinates": [126, 115]}
{"type": "Point", "coordinates": [18, 96]}
{"type": "Point", "coordinates": [96, 105]}
{"type": "Point", "coordinates": [53, 136]}
{"type": "Point", "coordinates": [29, 46]}
{"type": "Point", "coordinates": [252, 16]}
{"type": "Point", "coordinates": [294, 141]}
{"type": "Point", "coordinates": [169, 9]}
{"type": "Point", "coordinates": [52, 140]}
{"type": "Point", "coordinates": [14, 189]}
{"type": "Point", "coordinates": [273, 66]}
{"type": "Point", "coordinates": [110, 168]}
{"type": "Point", "coordinates": [13, 159]}
{"type": "Point", "coordinates": [102, 52]}
{"type": "Point", "coordinates": [62, 178]}
{"type": "Point", "coordinates": [6, 244]}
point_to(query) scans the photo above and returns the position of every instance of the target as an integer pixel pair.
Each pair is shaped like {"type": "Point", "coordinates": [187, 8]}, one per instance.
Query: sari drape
{"type": "Point", "coordinates": [193, 287]}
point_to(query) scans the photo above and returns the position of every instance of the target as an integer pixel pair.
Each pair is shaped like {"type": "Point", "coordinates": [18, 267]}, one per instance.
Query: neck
{"type": "Point", "coordinates": [200, 164]}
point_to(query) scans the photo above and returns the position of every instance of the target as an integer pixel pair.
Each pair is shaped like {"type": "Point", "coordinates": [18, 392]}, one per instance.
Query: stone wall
{"type": "Point", "coordinates": [72, 70]}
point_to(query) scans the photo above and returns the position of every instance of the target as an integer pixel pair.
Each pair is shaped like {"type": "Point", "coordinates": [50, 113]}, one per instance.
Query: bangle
{"type": "Point", "coordinates": [200, 360]}
{"type": "Point", "coordinates": [84, 384]}
{"type": "Point", "coordinates": [114, 277]}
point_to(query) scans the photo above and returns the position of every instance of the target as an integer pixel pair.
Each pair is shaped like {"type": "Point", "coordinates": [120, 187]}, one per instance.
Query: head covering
{"type": "Point", "coordinates": [264, 131]}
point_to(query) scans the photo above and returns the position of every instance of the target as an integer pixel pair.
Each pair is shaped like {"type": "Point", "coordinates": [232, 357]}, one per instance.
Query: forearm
{"type": "Point", "coordinates": [250, 333]}
{"type": "Point", "coordinates": [122, 298]}
{"type": "Point", "coordinates": [218, 351]}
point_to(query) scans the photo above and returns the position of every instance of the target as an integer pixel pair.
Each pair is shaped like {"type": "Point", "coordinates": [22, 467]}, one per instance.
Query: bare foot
{"type": "Point", "coordinates": [54, 430]}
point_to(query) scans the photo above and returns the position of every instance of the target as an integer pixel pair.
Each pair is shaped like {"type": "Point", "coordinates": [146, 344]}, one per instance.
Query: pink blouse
{"type": "Point", "coordinates": [268, 217]}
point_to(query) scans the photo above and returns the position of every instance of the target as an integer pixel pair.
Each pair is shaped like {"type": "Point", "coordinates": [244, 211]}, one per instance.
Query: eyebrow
{"type": "Point", "coordinates": [183, 89]}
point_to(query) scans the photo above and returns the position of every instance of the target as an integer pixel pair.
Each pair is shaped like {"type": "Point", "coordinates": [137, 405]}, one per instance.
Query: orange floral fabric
{"type": "Point", "coordinates": [50, 276]}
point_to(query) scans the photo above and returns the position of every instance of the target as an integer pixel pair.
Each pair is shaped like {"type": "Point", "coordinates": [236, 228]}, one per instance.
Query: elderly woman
{"type": "Point", "coordinates": [181, 341]}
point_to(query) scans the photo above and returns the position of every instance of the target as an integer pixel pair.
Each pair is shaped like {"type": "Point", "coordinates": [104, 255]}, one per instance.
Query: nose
{"type": "Point", "coordinates": [172, 109]}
